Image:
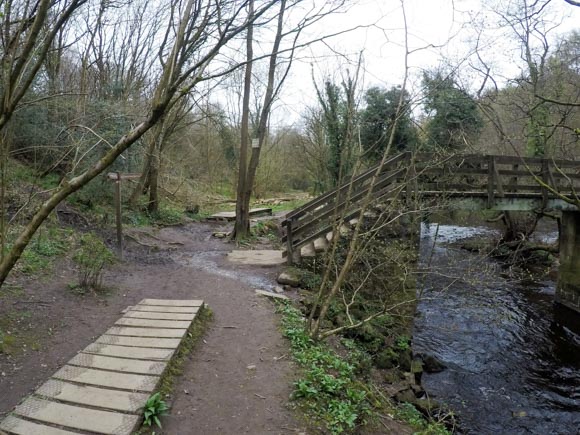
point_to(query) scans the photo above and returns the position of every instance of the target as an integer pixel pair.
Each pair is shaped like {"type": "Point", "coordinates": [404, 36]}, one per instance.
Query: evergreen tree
{"type": "Point", "coordinates": [454, 117]}
{"type": "Point", "coordinates": [378, 117]}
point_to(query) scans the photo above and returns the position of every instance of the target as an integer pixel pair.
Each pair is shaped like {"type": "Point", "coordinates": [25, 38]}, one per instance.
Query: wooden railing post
{"type": "Point", "coordinates": [545, 179]}
{"type": "Point", "coordinates": [289, 240]}
{"type": "Point", "coordinates": [490, 181]}
{"type": "Point", "coordinates": [514, 179]}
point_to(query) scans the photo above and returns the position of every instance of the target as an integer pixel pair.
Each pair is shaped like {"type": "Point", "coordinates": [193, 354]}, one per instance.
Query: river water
{"type": "Point", "coordinates": [511, 368]}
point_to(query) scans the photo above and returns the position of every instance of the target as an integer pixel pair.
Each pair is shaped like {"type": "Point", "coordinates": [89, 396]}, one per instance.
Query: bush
{"type": "Point", "coordinates": [92, 257]}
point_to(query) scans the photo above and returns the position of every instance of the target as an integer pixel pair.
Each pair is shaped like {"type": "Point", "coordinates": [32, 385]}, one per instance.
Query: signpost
{"type": "Point", "coordinates": [117, 177]}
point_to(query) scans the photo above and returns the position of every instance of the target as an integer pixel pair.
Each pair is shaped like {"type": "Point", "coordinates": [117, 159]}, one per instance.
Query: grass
{"type": "Point", "coordinates": [48, 244]}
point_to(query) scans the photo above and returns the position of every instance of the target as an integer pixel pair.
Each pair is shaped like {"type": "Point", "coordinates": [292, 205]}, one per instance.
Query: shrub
{"type": "Point", "coordinates": [92, 257]}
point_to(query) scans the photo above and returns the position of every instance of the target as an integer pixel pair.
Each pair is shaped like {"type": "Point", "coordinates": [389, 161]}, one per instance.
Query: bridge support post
{"type": "Point", "coordinates": [568, 288]}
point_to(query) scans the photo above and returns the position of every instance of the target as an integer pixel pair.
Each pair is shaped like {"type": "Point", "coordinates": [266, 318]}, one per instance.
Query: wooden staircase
{"type": "Point", "coordinates": [310, 228]}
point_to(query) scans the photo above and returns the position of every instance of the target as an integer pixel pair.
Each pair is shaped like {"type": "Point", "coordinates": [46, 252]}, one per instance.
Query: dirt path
{"type": "Point", "coordinates": [236, 381]}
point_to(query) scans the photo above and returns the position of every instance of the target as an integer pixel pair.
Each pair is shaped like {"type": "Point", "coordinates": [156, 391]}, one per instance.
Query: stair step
{"type": "Point", "coordinates": [320, 244]}
{"type": "Point", "coordinates": [308, 250]}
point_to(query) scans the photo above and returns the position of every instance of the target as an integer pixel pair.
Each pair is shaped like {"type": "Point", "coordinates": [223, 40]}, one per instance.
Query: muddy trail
{"type": "Point", "coordinates": [236, 381]}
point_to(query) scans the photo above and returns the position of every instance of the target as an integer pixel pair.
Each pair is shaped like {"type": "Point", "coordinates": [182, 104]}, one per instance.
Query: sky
{"type": "Point", "coordinates": [437, 29]}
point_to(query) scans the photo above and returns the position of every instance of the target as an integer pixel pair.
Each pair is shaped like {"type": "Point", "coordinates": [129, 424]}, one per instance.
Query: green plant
{"type": "Point", "coordinates": [328, 390]}
{"type": "Point", "coordinates": [155, 407]}
{"type": "Point", "coordinates": [92, 257]}
{"type": "Point", "coordinates": [403, 343]}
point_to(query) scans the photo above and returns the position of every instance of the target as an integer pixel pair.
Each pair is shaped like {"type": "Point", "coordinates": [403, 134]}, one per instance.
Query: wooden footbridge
{"type": "Point", "coordinates": [472, 182]}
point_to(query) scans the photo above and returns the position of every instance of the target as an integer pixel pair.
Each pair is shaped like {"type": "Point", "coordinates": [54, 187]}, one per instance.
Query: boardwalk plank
{"type": "Point", "coordinates": [18, 426]}
{"type": "Point", "coordinates": [164, 309]}
{"type": "Point", "coordinates": [159, 316]}
{"type": "Point", "coordinates": [124, 401]}
{"type": "Point", "coordinates": [146, 323]}
{"type": "Point", "coordinates": [158, 343]}
{"type": "Point", "coordinates": [118, 364]}
{"type": "Point", "coordinates": [76, 417]}
{"type": "Point", "coordinates": [145, 353]}
{"type": "Point", "coordinates": [172, 302]}
{"type": "Point", "coordinates": [146, 332]}
{"type": "Point", "coordinates": [122, 381]}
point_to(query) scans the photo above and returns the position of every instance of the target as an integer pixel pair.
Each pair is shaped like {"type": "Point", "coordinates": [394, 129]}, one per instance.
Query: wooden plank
{"type": "Point", "coordinates": [172, 302]}
{"type": "Point", "coordinates": [146, 323]}
{"type": "Point", "coordinates": [125, 365]}
{"type": "Point", "coordinates": [124, 401]}
{"type": "Point", "coordinates": [18, 426]}
{"type": "Point", "coordinates": [100, 378]}
{"type": "Point", "coordinates": [76, 417]}
{"type": "Point", "coordinates": [153, 315]}
{"type": "Point", "coordinates": [159, 343]}
{"type": "Point", "coordinates": [164, 309]}
{"type": "Point", "coordinates": [146, 332]}
{"type": "Point", "coordinates": [145, 353]}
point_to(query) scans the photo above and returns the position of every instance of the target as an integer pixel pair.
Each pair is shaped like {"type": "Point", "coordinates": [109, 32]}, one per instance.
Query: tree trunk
{"type": "Point", "coordinates": [242, 225]}
{"type": "Point", "coordinates": [153, 205]}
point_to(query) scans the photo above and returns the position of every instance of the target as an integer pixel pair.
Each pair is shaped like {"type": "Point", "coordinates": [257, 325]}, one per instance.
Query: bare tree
{"type": "Point", "coordinates": [195, 34]}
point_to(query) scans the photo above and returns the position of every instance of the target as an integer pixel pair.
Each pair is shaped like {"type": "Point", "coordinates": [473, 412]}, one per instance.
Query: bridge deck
{"type": "Point", "coordinates": [103, 389]}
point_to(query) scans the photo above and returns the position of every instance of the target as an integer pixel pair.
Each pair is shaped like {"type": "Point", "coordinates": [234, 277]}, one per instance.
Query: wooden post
{"type": "Point", "coordinates": [545, 179]}
{"type": "Point", "coordinates": [490, 181]}
{"type": "Point", "coordinates": [118, 214]}
{"type": "Point", "coordinates": [514, 179]}
{"type": "Point", "coordinates": [289, 251]}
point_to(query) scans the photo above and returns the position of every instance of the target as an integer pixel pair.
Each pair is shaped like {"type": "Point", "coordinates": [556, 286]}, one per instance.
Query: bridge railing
{"type": "Point", "coordinates": [495, 176]}
{"type": "Point", "coordinates": [419, 175]}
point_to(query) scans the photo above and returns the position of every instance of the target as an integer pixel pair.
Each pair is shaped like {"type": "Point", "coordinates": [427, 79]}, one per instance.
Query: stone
{"type": "Point", "coordinates": [145, 353]}
{"type": "Point", "coordinates": [320, 244]}
{"type": "Point", "coordinates": [220, 234]}
{"type": "Point", "coordinates": [261, 257]}
{"type": "Point", "coordinates": [143, 367]}
{"type": "Point", "coordinates": [426, 406]}
{"type": "Point", "coordinates": [405, 396]}
{"type": "Point", "coordinates": [160, 343]}
{"type": "Point", "coordinates": [289, 278]}
{"type": "Point", "coordinates": [19, 426]}
{"type": "Point", "coordinates": [278, 289]}
{"type": "Point", "coordinates": [91, 420]}
{"type": "Point", "coordinates": [308, 250]}
{"type": "Point", "coordinates": [271, 295]}
{"type": "Point", "coordinates": [432, 364]}
{"type": "Point", "coordinates": [122, 381]}
{"type": "Point", "coordinates": [123, 401]}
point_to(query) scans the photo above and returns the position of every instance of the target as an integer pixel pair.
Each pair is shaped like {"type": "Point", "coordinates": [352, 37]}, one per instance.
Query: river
{"type": "Point", "coordinates": [511, 368]}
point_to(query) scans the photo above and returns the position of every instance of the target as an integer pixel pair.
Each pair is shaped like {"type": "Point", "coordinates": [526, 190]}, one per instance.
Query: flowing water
{"type": "Point", "coordinates": [511, 367]}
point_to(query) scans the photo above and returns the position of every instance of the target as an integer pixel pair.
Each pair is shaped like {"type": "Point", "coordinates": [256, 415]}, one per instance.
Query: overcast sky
{"type": "Point", "coordinates": [440, 23]}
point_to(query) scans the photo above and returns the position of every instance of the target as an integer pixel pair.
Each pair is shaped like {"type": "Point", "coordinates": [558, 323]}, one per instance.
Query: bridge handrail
{"type": "Point", "coordinates": [320, 200]}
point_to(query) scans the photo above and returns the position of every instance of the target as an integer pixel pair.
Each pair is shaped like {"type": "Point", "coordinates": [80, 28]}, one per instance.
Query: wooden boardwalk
{"type": "Point", "coordinates": [104, 387]}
